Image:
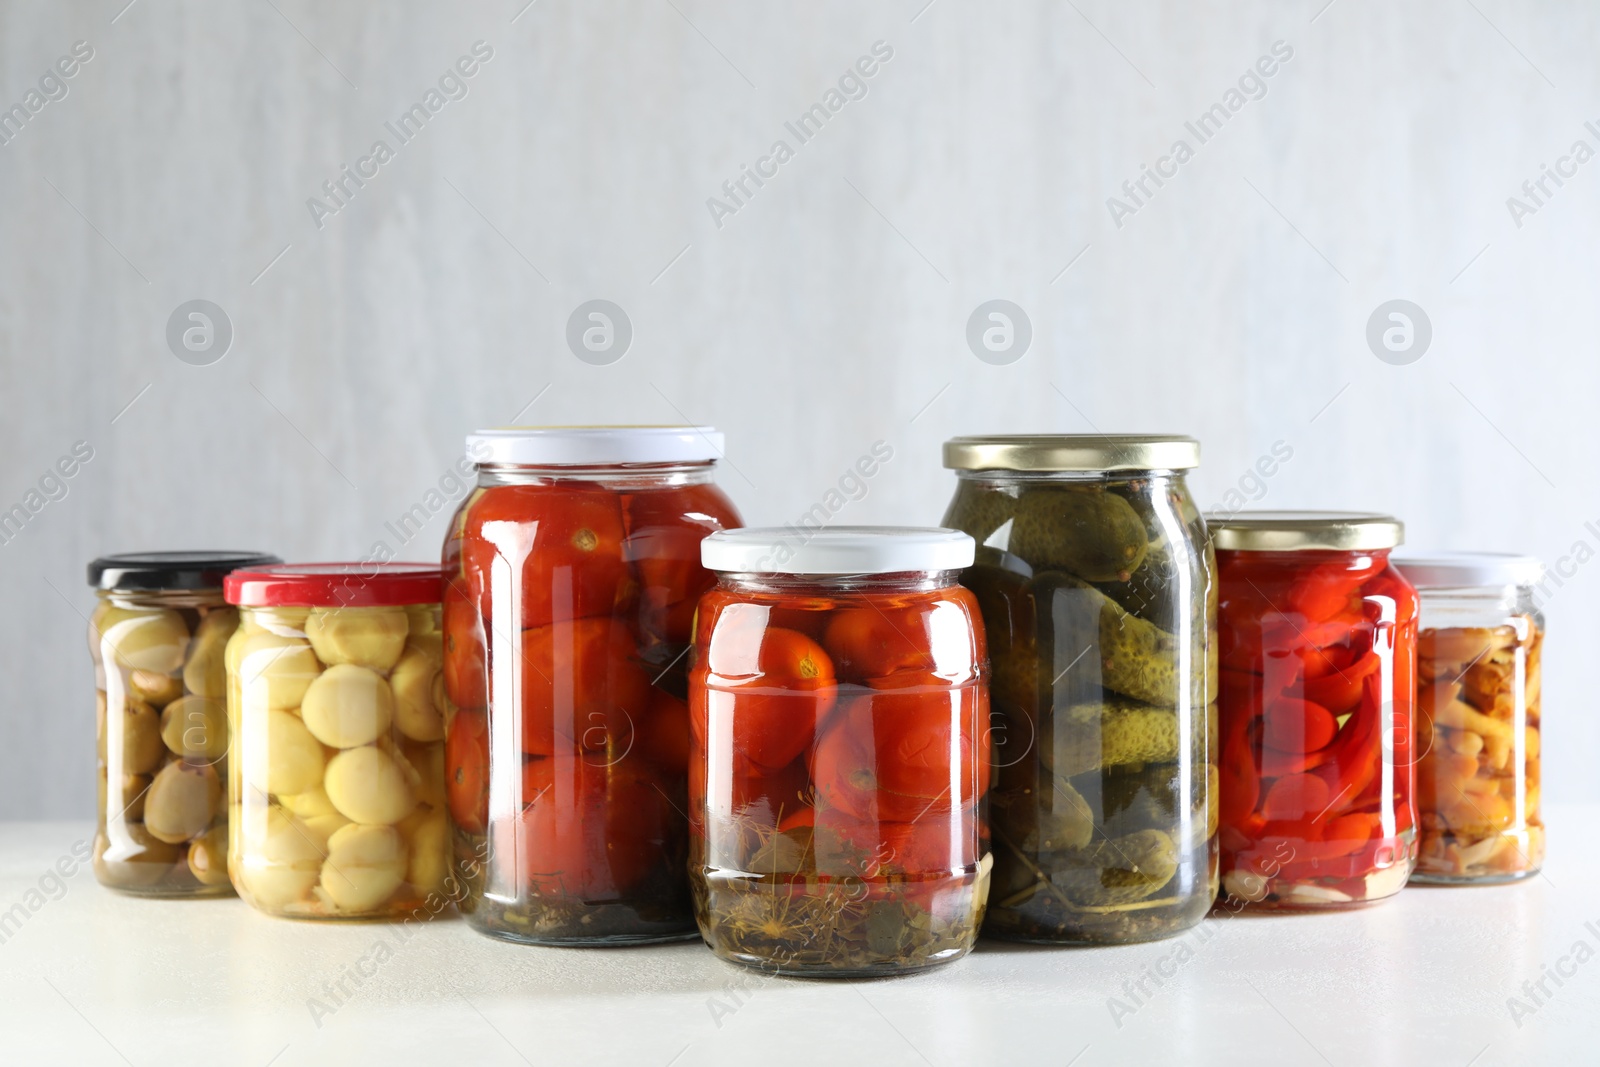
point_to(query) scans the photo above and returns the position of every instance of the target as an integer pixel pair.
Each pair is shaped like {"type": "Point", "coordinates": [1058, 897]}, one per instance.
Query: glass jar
{"type": "Point", "coordinates": [838, 709]}
{"type": "Point", "coordinates": [1477, 723]}
{"type": "Point", "coordinates": [574, 570]}
{"type": "Point", "coordinates": [335, 702]}
{"type": "Point", "coordinates": [1095, 579]}
{"type": "Point", "coordinates": [156, 637]}
{"type": "Point", "coordinates": [1318, 640]}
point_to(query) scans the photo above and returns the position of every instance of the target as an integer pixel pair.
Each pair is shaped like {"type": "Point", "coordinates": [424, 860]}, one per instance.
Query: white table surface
{"type": "Point", "coordinates": [94, 977]}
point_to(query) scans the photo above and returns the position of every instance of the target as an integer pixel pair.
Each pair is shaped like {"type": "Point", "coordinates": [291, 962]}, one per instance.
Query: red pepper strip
{"type": "Point", "coordinates": [1390, 584]}
{"type": "Point", "coordinates": [1341, 690]}
{"type": "Point", "coordinates": [1295, 796]}
{"type": "Point", "coordinates": [1275, 763]}
{"type": "Point", "coordinates": [1325, 590]}
{"type": "Point", "coordinates": [1293, 725]}
{"type": "Point", "coordinates": [1238, 778]}
{"type": "Point", "coordinates": [1356, 751]}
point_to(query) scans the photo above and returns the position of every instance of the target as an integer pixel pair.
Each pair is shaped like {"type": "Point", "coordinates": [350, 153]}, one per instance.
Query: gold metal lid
{"type": "Point", "coordinates": [1072, 452]}
{"type": "Point", "coordinates": [1293, 531]}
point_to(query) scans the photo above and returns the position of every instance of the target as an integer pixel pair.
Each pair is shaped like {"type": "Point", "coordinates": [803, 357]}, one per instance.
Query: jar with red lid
{"type": "Point", "coordinates": [1318, 645]}
{"type": "Point", "coordinates": [840, 753]}
{"type": "Point", "coordinates": [335, 703]}
{"type": "Point", "coordinates": [573, 570]}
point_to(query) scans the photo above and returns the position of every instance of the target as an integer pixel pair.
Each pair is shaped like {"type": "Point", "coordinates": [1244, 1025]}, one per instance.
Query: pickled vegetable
{"type": "Point", "coordinates": [849, 834]}
{"type": "Point", "coordinates": [1478, 742]}
{"type": "Point", "coordinates": [342, 809]}
{"type": "Point", "coordinates": [1097, 593]}
{"type": "Point", "coordinates": [1318, 648]}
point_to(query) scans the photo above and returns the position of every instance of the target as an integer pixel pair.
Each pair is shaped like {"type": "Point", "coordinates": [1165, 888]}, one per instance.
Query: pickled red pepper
{"type": "Point", "coordinates": [1317, 651]}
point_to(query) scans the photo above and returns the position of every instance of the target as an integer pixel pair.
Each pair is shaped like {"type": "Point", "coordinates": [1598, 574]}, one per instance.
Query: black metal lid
{"type": "Point", "coordinates": [171, 570]}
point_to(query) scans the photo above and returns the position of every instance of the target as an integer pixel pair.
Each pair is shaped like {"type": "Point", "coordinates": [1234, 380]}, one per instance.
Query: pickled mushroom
{"type": "Point", "coordinates": [272, 669]}
{"type": "Point", "coordinates": [415, 711]}
{"type": "Point", "coordinates": [279, 862]}
{"type": "Point", "coordinates": [146, 639]}
{"type": "Point", "coordinates": [365, 865]}
{"type": "Point", "coordinates": [154, 688]}
{"type": "Point", "coordinates": [347, 706]}
{"type": "Point", "coordinates": [208, 857]}
{"type": "Point", "coordinates": [182, 801]}
{"type": "Point", "coordinates": [204, 674]}
{"type": "Point", "coordinates": [280, 755]}
{"type": "Point", "coordinates": [430, 854]}
{"type": "Point", "coordinates": [141, 745]}
{"type": "Point", "coordinates": [365, 637]}
{"type": "Point", "coordinates": [196, 728]}
{"type": "Point", "coordinates": [367, 785]}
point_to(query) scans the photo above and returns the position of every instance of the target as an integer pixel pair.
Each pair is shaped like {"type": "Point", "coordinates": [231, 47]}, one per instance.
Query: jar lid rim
{"type": "Point", "coordinates": [1294, 531]}
{"type": "Point", "coordinates": [1072, 452]}
{"type": "Point", "coordinates": [1460, 570]}
{"type": "Point", "coordinates": [843, 550]}
{"type": "Point", "coordinates": [562, 446]}
{"type": "Point", "coordinates": [342, 584]}
{"type": "Point", "coordinates": [172, 570]}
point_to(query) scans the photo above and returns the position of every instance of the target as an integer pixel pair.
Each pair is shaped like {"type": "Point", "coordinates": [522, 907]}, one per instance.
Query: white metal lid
{"type": "Point", "coordinates": [594, 445]}
{"type": "Point", "coordinates": [836, 550]}
{"type": "Point", "coordinates": [1460, 570]}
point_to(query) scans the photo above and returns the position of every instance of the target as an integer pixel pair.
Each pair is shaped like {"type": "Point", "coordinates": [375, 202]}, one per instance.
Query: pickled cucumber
{"type": "Point", "coordinates": [1114, 733]}
{"type": "Point", "coordinates": [1120, 870]}
{"type": "Point", "coordinates": [1086, 531]}
{"type": "Point", "coordinates": [979, 510]}
{"type": "Point", "coordinates": [1129, 655]}
{"type": "Point", "coordinates": [1053, 818]}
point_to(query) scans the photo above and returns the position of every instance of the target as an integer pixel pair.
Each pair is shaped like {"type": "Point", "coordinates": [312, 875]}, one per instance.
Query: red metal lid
{"type": "Point", "coordinates": [344, 585]}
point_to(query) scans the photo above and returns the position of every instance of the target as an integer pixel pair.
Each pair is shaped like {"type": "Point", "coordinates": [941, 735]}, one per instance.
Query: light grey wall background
{"type": "Point", "coordinates": [828, 312]}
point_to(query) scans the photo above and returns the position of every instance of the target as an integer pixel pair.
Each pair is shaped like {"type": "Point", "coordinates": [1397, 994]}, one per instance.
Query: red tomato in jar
{"type": "Point", "coordinates": [890, 756]}
{"type": "Point", "coordinates": [768, 797]}
{"type": "Point", "coordinates": [465, 652]}
{"type": "Point", "coordinates": [466, 761]}
{"type": "Point", "coordinates": [662, 736]}
{"type": "Point", "coordinates": [582, 686]}
{"type": "Point", "coordinates": [870, 642]}
{"type": "Point", "coordinates": [664, 531]}
{"type": "Point", "coordinates": [586, 832]}
{"type": "Point", "coordinates": [562, 544]}
{"type": "Point", "coordinates": [779, 685]}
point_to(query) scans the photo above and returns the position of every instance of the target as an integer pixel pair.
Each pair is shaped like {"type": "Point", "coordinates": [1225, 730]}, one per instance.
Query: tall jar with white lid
{"type": "Point", "coordinates": [572, 572]}
{"type": "Point", "coordinates": [1478, 717]}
